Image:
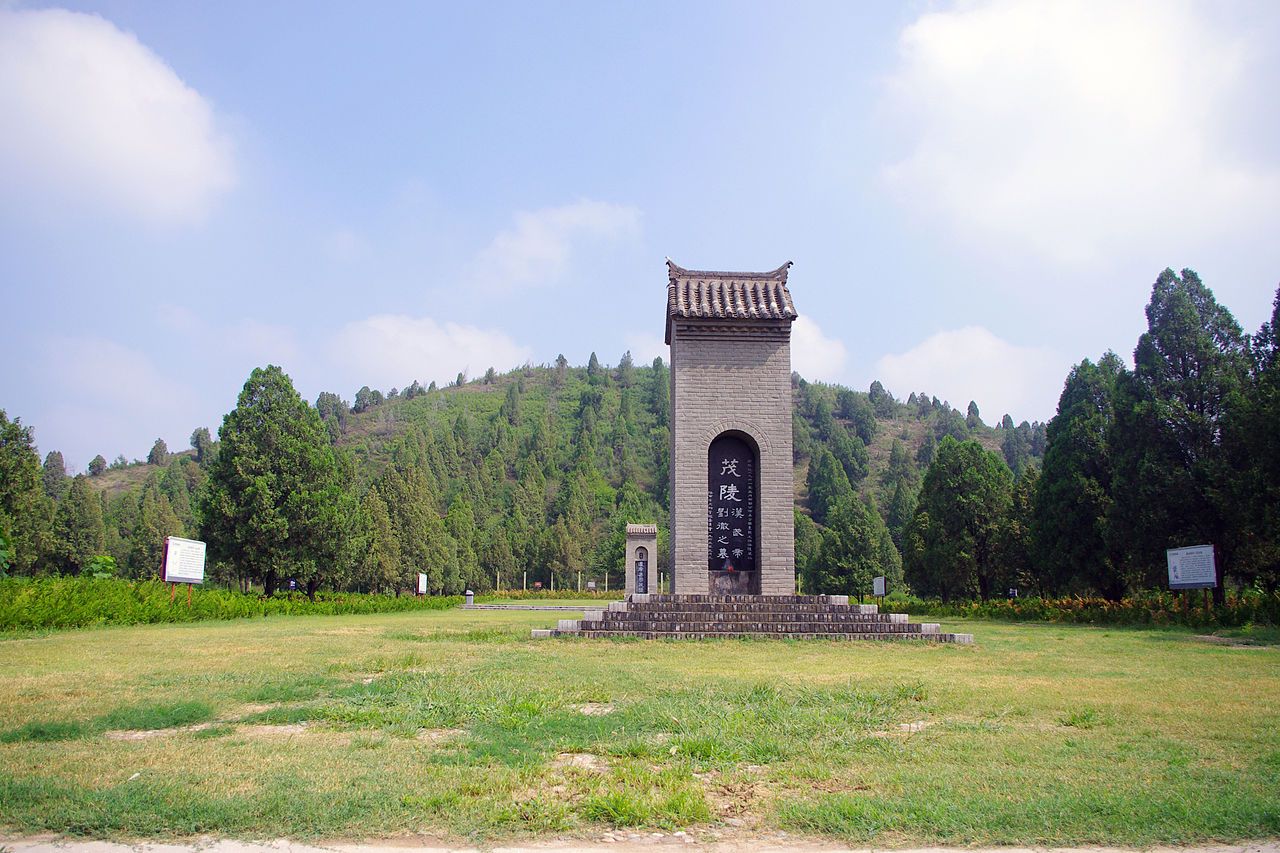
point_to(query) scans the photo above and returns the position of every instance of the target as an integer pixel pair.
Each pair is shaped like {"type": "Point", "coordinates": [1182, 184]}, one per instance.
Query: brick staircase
{"type": "Point", "coordinates": [698, 617]}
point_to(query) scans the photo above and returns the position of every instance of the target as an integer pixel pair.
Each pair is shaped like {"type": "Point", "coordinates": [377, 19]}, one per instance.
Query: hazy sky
{"type": "Point", "coordinates": [975, 196]}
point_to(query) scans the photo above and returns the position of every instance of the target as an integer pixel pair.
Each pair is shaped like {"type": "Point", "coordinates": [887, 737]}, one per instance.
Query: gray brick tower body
{"type": "Point", "coordinates": [731, 470]}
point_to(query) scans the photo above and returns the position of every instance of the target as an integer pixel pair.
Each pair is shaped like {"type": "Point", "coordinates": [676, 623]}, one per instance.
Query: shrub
{"type": "Point", "coordinates": [1248, 607]}
{"type": "Point", "coordinates": [77, 602]}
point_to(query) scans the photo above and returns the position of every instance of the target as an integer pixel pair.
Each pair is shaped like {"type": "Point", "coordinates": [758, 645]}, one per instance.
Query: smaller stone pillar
{"type": "Point", "coordinates": [642, 559]}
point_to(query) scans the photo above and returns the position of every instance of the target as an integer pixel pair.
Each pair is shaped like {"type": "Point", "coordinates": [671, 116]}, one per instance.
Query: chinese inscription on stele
{"type": "Point", "coordinates": [731, 505]}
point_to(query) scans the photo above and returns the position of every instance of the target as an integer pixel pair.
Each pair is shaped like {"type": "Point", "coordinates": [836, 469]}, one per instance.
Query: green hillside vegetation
{"type": "Point", "coordinates": [536, 471]}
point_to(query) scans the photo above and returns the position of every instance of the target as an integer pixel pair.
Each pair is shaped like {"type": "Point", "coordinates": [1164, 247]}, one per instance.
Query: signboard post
{"type": "Point", "coordinates": [1192, 568]}
{"type": "Point", "coordinates": [422, 583]}
{"type": "Point", "coordinates": [183, 562]}
{"type": "Point", "coordinates": [879, 587]}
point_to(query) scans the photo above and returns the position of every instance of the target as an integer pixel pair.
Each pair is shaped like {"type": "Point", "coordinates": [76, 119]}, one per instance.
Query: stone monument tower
{"type": "Point", "coordinates": [731, 475]}
{"type": "Point", "coordinates": [733, 562]}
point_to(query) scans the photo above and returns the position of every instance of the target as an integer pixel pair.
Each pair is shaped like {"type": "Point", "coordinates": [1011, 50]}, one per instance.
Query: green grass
{"type": "Point", "coordinates": [456, 724]}
{"type": "Point", "coordinates": [163, 715]}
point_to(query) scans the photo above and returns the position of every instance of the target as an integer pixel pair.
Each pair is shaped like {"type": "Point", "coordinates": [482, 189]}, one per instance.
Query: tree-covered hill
{"type": "Point", "coordinates": [536, 469]}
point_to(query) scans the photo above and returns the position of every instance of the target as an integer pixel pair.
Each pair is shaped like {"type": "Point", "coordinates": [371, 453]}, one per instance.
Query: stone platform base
{"type": "Point", "coordinates": [698, 617]}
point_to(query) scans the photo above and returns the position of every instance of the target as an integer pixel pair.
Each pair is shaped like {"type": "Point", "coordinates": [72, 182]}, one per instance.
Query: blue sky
{"type": "Point", "coordinates": [975, 196]}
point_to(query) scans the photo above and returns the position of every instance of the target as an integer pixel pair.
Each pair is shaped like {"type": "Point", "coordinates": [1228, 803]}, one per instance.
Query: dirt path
{"type": "Point", "coordinates": [618, 842]}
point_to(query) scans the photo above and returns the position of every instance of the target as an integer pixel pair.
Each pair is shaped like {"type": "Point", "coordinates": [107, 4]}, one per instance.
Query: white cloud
{"type": "Point", "coordinates": [94, 119]}
{"type": "Point", "coordinates": [1078, 129]}
{"type": "Point", "coordinates": [815, 356]}
{"type": "Point", "coordinates": [540, 246]}
{"type": "Point", "coordinates": [973, 364]}
{"type": "Point", "coordinates": [391, 350]}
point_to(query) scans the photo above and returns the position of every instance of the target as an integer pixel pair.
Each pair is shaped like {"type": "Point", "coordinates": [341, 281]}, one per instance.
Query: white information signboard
{"type": "Point", "coordinates": [422, 583]}
{"type": "Point", "coordinates": [1192, 568]}
{"type": "Point", "coordinates": [183, 560]}
{"type": "Point", "coordinates": [878, 586]}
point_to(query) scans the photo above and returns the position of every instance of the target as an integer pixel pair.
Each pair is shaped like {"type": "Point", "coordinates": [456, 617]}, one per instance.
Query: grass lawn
{"type": "Point", "coordinates": [455, 723]}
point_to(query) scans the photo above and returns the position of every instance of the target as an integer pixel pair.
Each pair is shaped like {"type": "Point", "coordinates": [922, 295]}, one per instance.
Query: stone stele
{"type": "Point", "coordinates": [730, 338]}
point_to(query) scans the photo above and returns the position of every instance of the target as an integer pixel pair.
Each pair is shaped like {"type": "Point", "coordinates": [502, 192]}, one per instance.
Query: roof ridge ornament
{"type": "Point", "coordinates": [675, 271]}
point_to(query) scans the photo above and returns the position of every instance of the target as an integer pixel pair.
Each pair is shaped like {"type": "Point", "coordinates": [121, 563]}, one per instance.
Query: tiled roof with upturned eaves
{"type": "Point", "coordinates": [728, 295]}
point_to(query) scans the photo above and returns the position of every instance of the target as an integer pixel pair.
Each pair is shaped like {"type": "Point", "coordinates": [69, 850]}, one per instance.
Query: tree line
{"type": "Point", "coordinates": [535, 473]}
{"type": "Point", "coordinates": [1182, 449]}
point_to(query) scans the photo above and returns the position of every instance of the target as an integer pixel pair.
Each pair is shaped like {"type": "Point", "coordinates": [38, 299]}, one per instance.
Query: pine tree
{"type": "Point", "coordinates": [1074, 499]}
{"type": "Point", "coordinates": [927, 450]}
{"type": "Point", "coordinates": [202, 443]}
{"type": "Point", "coordinates": [853, 551]}
{"type": "Point", "coordinates": [902, 507]}
{"type": "Point", "coordinates": [159, 454]}
{"type": "Point", "coordinates": [155, 520]}
{"type": "Point", "coordinates": [1171, 472]}
{"type": "Point", "coordinates": [1251, 441]}
{"type": "Point", "coordinates": [626, 370]}
{"type": "Point", "coordinates": [951, 544]}
{"type": "Point", "coordinates": [827, 483]}
{"type": "Point", "coordinates": [660, 393]}
{"type": "Point", "coordinates": [26, 512]}
{"type": "Point", "coordinates": [808, 545]}
{"type": "Point", "coordinates": [97, 465]}
{"type": "Point", "coordinates": [850, 452]}
{"type": "Point", "coordinates": [277, 499]}
{"type": "Point", "coordinates": [1016, 542]}
{"type": "Point", "coordinates": [857, 409]}
{"type": "Point", "coordinates": [1015, 444]}
{"type": "Point", "coordinates": [380, 565]}
{"type": "Point", "coordinates": [511, 405]}
{"type": "Point", "coordinates": [78, 530]}
{"type": "Point", "coordinates": [461, 525]}
{"type": "Point", "coordinates": [973, 419]}
{"type": "Point", "coordinates": [54, 475]}
{"type": "Point", "coordinates": [881, 400]}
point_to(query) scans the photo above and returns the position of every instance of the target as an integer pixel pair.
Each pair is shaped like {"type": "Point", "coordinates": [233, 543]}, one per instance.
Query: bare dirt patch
{"type": "Point", "coordinates": [734, 802]}
{"type": "Point", "coordinates": [1229, 642]}
{"type": "Point", "coordinates": [148, 734]}
{"type": "Point", "coordinates": [595, 709]}
{"type": "Point", "coordinates": [903, 729]}
{"type": "Point", "coordinates": [582, 761]}
{"type": "Point", "coordinates": [438, 735]}
{"type": "Point", "coordinates": [273, 731]}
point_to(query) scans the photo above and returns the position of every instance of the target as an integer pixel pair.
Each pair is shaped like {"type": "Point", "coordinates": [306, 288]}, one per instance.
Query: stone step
{"type": "Point", "coordinates": [767, 600]}
{"type": "Point", "coordinates": [756, 606]}
{"type": "Point", "coordinates": [780, 615]}
{"type": "Point", "coordinates": [698, 617]}
{"type": "Point", "coordinates": [773, 627]}
{"type": "Point", "coordinates": [935, 637]}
